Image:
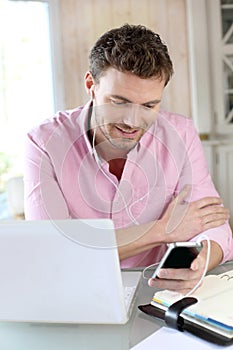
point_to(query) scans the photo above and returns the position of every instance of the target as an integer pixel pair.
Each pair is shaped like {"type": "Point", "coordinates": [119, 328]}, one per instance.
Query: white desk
{"type": "Point", "coordinates": [16, 336]}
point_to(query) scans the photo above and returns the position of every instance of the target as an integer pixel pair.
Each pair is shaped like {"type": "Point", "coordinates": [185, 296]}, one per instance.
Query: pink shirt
{"type": "Point", "coordinates": [63, 179]}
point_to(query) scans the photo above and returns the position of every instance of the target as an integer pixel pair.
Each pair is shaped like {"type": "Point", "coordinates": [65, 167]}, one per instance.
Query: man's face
{"type": "Point", "coordinates": [125, 106]}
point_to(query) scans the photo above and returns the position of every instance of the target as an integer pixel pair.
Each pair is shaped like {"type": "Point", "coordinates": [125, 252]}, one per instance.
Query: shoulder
{"type": "Point", "coordinates": [170, 124]}
{"type": "Point", "coordinates": [62, 125]}
{"type": "Point", "coordinates": [178, 121]}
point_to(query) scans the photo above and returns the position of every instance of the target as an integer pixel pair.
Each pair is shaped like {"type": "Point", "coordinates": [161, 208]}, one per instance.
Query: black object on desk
{"type": "Point", "coordinates": [174, 320]}
{"type": "Point", "coordinates": [172, 315]}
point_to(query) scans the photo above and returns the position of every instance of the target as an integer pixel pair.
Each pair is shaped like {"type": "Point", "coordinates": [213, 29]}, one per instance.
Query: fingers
{"type": "Point", "coordinates": [183, 220]}
{"type": "Point", "coordinates": [179, 280]}
{"type": "Point", "coordinates": [213, 224]}
{"type": "Point", "coordinates": [213, 216]}
{"type": "Point", "coordinates": [208, 201]}
{"type": "Point", "coordinates": [200, 261]}
{"type": "Point", "coordinates": [209, 215]}
{"type": "Point", "coordinates": [177, 274]}
{"type": "Point", "coordinates": [220, 215]}
{"type": "Point", "coordinates": [184, 279]}
{"type": "Point", "coordinates": [214, 210]}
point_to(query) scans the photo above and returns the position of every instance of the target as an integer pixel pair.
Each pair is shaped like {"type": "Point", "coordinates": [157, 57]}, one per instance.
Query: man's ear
{"type": "Point", "coordinates": [89, 83]}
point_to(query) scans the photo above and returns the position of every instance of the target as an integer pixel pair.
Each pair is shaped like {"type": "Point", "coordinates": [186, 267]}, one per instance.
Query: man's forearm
{"type": "Point", "coordinates": [137, 239]}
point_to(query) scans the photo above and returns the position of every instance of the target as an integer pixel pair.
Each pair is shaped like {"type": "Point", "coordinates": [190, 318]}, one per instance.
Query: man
{"type": "Point", "coordinates": [120, 157]}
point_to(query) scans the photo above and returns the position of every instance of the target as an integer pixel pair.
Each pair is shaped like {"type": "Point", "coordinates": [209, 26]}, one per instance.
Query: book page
{"type": "Point", "coordinates": [215, 299]}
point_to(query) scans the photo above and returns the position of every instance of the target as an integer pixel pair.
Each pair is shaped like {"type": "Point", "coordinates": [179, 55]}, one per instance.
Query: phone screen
{"type": "Point", "coordinates": [180, 257]}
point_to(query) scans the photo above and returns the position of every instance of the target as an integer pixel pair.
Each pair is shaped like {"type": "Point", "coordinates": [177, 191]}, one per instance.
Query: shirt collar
{"type": "Point", "coordinates": [84, 123]}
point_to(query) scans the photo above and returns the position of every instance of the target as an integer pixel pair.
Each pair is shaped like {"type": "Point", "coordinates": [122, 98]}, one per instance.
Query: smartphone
{"type": "Point", "coordinates": [179, 255]}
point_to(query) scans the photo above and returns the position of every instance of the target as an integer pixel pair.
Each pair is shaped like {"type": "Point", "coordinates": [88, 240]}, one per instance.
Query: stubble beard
{"type": "Point", "coordinates": [123, 144]}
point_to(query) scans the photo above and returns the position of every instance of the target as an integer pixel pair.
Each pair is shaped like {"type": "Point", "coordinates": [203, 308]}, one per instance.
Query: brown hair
{"type": "Point", "coordinates": [134, 49]}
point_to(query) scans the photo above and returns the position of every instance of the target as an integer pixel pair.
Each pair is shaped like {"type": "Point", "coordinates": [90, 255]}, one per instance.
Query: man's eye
{"type": "Point", "coordinates": [149, 106]}
{"type": "Point", "coordinates": [118, 102]}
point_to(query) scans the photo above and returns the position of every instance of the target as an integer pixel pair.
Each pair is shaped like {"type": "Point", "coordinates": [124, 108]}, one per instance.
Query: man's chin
{"type": "Point", "coordinates": [125, 144]}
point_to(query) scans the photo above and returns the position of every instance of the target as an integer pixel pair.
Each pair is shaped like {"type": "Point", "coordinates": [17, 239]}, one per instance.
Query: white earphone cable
{"type": "Point", "coordinates": [97, 159]}
{"type": "Point", "coordinates": [202, 237]}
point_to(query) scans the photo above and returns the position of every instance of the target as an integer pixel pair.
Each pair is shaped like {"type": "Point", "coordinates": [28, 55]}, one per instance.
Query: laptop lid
{"type": "Point", "coordinates": [63, 271]}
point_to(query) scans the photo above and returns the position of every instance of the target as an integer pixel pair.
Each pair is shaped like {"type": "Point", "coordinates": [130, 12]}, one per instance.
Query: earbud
{"type": "Point", "coordinates": [92, 91]}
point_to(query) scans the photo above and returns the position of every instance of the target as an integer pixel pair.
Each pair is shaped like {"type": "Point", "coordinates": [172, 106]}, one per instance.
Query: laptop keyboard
{"type": "Point", "coordinates": [128, 295]}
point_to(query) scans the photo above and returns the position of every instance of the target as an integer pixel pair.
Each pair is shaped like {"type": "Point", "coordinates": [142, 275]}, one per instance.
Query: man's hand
{"type": "Point", "coordinates": [184, 280]}
{"type": "Point", "coordinates": [183, 220]}
{"type": "Point", "coordinates": [181, 280]}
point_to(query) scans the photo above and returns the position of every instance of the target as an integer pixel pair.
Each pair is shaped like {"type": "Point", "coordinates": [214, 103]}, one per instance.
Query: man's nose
{"type": "Point", "coordinates": [132, 118]}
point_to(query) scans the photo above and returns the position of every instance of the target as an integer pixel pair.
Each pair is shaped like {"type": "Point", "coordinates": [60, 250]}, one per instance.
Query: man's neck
{"type": "Point", "coordinates": [116, 158]}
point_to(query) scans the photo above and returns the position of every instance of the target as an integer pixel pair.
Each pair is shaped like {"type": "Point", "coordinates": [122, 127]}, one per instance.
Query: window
{"type": "Point", "coordinates": [28, 94]}
{"type": "Point", "coordinates": [211, 65]}
{"type": "Point", "coordinates": [220, 18]}
{"type": "Point", "coordinates": [227, 42]}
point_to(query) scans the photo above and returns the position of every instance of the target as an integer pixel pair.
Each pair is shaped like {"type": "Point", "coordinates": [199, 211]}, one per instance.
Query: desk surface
{"type": "Point", "coordinates": [19, 336]}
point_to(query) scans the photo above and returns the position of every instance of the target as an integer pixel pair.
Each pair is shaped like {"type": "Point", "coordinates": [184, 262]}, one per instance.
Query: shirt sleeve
{"type": "Point", "coordinates": [43, 198]}
{"type": "Point", "coordinates": [203, 186]}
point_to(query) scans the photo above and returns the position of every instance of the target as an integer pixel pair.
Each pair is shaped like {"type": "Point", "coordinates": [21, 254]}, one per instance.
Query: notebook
{"type": "Point", "coordinates": [63, 271]}
{"type": "Point", "coordinates": [213, 311]}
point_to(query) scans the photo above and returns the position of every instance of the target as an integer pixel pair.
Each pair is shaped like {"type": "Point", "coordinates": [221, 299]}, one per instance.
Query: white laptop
{"type": "Point", "coordinates": [63, 271]}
